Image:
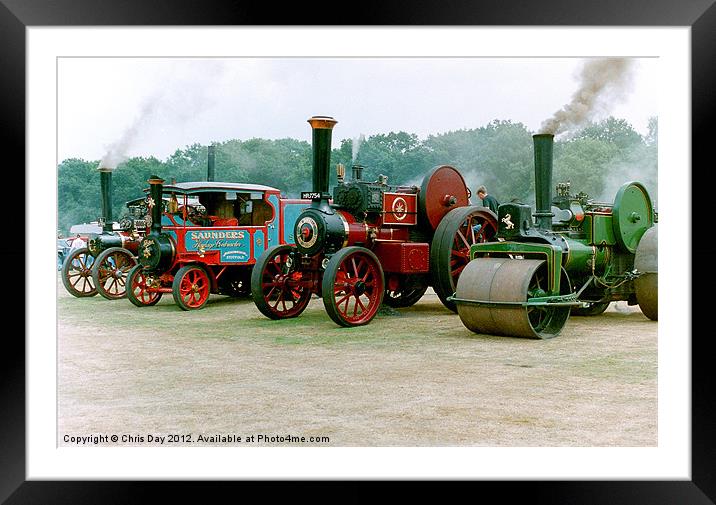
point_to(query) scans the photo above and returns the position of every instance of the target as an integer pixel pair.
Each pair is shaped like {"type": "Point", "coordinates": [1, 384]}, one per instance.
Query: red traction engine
{"type": "Point", "coordinates": [374, 243]}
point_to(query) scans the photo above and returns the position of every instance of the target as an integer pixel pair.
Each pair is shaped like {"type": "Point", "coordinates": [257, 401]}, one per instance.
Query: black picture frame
{"type": "Point", "coordinates": [17, 15]}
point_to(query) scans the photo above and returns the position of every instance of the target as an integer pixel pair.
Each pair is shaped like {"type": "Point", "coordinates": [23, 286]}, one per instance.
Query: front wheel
{"type": "Point", "coordinates": [77, 273]}
{"type": "Point", "coordinates": [140, 290]}
{"type": "Point", "coordinates": [110, 270]}
{"type": "Point", "coordinates": [191, 287]}
{"type": "Point", "coordinates": [353, 286]}
{"type": "Point", "coordinates": [276, 285]}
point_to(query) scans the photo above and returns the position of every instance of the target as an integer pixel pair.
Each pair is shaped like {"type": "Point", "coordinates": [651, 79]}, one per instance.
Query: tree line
{"type": "Point", "coordinates": [499, 155]}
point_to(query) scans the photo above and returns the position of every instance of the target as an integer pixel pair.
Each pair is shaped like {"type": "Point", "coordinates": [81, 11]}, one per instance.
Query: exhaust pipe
{"type": "Point", "coordinates": [543, 146]}
{"type": "Point", "coordinates": [322, 130]}
{"type": "Point", "coordinates": [357, 171]}
{"type": "Point", "coordinates": [211, 170]}
{"type": "Point", "coordinates": [155, 193]}
{"type": "Point", "coordinates": [105, 183]}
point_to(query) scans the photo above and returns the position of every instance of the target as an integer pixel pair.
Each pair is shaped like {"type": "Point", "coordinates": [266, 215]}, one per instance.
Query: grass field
{"type": "Point", "coordinates": [413, 377]}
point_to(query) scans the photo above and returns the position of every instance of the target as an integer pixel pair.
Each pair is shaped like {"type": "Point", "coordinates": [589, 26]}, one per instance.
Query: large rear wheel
{"type": "Point", "coordinates": [353, 286]}
{"type": "Point", "coordinates": [276, 285]}
{"type": "Point", "coordinates": [77, 273]}
{"type": "Point", "coordinates": [450, 248]}
{"type": "Point", "coordinates": [110, 271]}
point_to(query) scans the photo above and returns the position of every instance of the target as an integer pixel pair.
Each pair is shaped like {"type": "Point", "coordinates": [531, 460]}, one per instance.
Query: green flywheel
{"type": "Point", "coordinates": [633, 214]}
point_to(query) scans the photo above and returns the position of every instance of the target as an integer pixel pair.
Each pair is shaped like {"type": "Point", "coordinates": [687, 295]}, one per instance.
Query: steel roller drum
{"type": "Point", "coordinates": [646, 261]}
{"type": "Point", "coordinates": [443, 181]}
{"type": "Point", "coordinates": [507, 280]}
{"type": "Point", "coordinates": [633, 214]}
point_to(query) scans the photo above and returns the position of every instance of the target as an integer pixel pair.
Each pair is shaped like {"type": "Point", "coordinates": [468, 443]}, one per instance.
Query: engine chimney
{"type": "Point", "coordinates": [211, 170]}
{"type": "Point", "coordinates": [357, 171]}
{"type": "Point", "coordinates": [105, 182]}
{"type": "Point", "coordinates": [543, 144]}
{"type": "Point", "coordinates": [155, 193]}
{"type": "Point", "coordinates": [322, 129]}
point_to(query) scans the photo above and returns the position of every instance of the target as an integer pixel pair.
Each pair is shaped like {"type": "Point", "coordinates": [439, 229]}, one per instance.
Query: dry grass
{"type": "Point", "coordinates": [417, 378]}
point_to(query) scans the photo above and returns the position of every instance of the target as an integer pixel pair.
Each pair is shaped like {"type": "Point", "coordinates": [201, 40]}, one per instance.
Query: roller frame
{"type": "Point", "coordinates": [551, 253]}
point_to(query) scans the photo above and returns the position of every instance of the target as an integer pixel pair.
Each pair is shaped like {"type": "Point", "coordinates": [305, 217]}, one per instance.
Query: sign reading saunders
{"type": "Point", "coordinates": [234, 245]}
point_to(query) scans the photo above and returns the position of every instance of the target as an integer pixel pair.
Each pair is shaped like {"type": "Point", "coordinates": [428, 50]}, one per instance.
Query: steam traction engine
{"type": "Point", "coordinates": [206, 239]}
{"type": "Point", "coordinates": [374, 243]}
{"type": "Point", "coordinates": [103, 265]}
{"type": "Point", "coordinates": [576, 257]}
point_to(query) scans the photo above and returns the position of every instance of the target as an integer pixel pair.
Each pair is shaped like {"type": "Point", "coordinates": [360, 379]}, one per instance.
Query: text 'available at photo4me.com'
{"type": "Point", "coordinates": [109, 439]}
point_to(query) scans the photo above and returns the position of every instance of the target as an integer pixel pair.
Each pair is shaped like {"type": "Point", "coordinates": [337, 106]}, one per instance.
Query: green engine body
{"type": "Point", "coordinates": [595, 243]}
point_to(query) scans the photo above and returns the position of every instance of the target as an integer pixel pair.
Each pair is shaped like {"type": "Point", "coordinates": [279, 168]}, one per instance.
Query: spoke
{"type": "Point", "coordinates": [367, 273]}
{"type": "Point", "coordinates": [338, 302]}
{"type": "Point", "coordinates": [348, 299]}
{"type": "Point", "coordinates": [355, 268]}
{"type": "Point", "coordinates": [267, 297]}
{"type": "Point", "coordinates": [462, 237]}
{"type": "Point", "coordinates": [358, 302]}
{"type": "Point", "coordinates": [457, 270]}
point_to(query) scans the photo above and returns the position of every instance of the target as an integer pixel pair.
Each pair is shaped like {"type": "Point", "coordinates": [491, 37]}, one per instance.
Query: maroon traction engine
{"type": "Point", "coordinates": [374, 243]}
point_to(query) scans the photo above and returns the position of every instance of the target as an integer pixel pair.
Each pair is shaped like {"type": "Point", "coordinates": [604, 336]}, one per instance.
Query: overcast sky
{"type": "Point", "coordinates": [171, 103]}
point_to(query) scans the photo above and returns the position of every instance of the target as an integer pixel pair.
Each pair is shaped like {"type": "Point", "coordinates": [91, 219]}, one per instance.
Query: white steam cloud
{"type": "Point", "coordinates": [602, 82]}
{"type": "Point", "coordinates": [116, 153]}
{"type": "Point", "coordinates": [357, 141]}
{"type": "Point", "coordinates": [181, 99]}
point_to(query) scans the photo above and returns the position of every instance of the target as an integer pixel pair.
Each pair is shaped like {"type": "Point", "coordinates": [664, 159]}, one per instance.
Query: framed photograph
{"type": "Point", "coordinates": [212, 381]}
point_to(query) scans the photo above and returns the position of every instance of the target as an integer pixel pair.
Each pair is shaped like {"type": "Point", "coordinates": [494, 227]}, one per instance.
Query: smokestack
{"type": "Point", "coordinates": [155, 193]}
{"type": "Point", "coordinates": [211, 170]}
{"type": "Point", "coordinates": [357, 171]}
{"type": "Point", "coordinates": [322, 129]}
{"type": "Point", "coordinates": [105, 183]}
{"type": "Point", "coordinates": [543, 144]}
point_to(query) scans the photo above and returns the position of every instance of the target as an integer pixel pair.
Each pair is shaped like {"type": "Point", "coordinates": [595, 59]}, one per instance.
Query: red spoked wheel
{"type": "Point", "coordinates": [450, 248]}
{"type": "Point", "coordinates": [110, 271]}
{"type": "Point", "coordinates": [77, 273]}
{"type": "Point", "coordinates": [353, 286]}
{"type": "Point", "coordinates": [141, 291]}
{"type": "Point", "coordinates": [276, 286]}
{"type": "Point", "coordinates": [191, 287]}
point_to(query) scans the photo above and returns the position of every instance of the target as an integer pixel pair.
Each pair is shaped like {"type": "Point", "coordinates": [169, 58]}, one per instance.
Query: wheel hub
{"type": "Point", "coordinates": [359, 288]}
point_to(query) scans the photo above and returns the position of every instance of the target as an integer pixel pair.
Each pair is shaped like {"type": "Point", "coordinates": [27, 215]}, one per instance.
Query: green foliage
{"type": "Point", "coordinates": [499, 155]}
